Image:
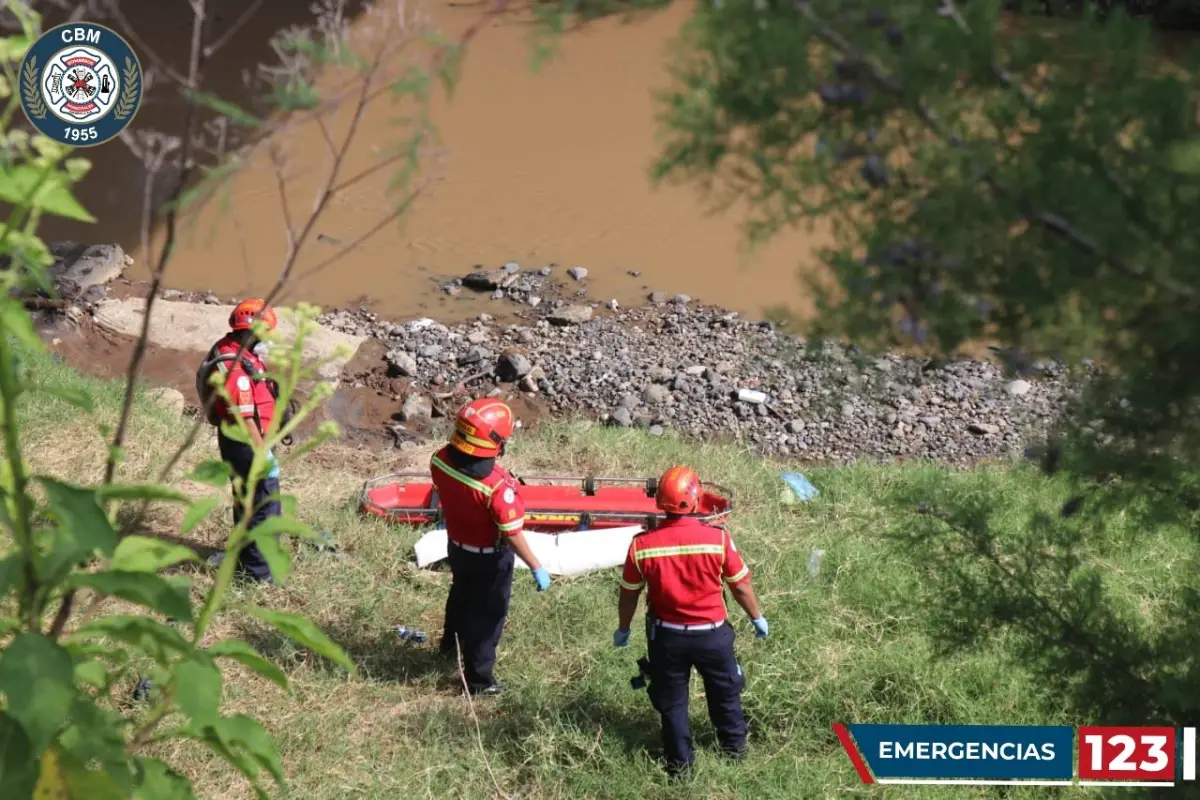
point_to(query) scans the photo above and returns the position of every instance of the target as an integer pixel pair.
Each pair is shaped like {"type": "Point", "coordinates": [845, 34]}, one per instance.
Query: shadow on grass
{"type": "Point", "coordinates": [380, 656]}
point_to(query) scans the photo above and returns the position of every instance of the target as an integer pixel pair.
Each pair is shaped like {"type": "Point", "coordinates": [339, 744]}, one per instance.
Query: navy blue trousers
{"type": "Point", "coordinates": [673, 654]}
{"type": "Point", "coordinates": [239, 456]}
{"type": "Point", "coordinates": [476, 609]}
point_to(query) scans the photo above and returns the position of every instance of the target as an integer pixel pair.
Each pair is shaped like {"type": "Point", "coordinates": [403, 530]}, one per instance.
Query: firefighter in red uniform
{"type": "Point", "coordinates": [682, 564]}
{"type": "Point", "coordinates": [484, 518]}
{"type": "Point", "coordinates": [245, 382]}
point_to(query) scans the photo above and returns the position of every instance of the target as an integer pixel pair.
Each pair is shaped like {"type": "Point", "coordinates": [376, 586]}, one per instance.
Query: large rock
{"type": "Point", "coordinates": [489, 280]}
{"type": "Point", "coordinates": [416, 407]}
{"type": "Point", "coordinates": [188, 326]}
{"type": "Point", "coordinates": [512, 367]}
{"type": "Point", "coordinates": [79, 267]}
{"type": "Point", "coordinates": [570, 315]}
{"type": "Point", "coordinates": [400, 364]}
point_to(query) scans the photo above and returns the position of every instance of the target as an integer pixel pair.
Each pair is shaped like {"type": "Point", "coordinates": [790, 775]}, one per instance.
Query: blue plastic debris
{"type": "Point", "coordinates": [407, 635]}
{"type": "Point", "coordinates": [800, 488]}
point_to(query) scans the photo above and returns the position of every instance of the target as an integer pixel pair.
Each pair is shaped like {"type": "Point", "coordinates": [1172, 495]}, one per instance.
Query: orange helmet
{"type": "Point", "coordinates": [250, 309]}
{"type": "Point", "coordinates": [482, 427]}
{"type": "Point", "coordinates": [678, 491]}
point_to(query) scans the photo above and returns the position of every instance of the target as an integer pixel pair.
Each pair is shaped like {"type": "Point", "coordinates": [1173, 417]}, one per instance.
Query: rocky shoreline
{"type": "Point", "coordinates": [670, 364]}
{"type": "Point", "coordinates": [709, 373]}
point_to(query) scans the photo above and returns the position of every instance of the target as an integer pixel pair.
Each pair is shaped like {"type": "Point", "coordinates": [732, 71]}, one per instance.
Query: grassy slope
{"type": "Point", "coordinates": [851, 645]}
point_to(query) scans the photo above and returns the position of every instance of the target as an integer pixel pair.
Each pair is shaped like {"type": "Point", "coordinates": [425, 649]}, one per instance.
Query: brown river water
{"type": "Point", "coordinates": [538, 167]}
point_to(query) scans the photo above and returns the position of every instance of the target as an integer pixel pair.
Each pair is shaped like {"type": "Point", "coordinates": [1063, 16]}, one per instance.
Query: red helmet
{"type": "Point", "coordinates": [250, 309]}
{"type": "Point", "coordinates": [482, 427]}
{"type": "Point", "coordinates": [678, 491]}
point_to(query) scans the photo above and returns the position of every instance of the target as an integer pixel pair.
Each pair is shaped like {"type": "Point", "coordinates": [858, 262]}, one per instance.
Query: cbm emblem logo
{"type": "Point", "coordinates": [80, 84]}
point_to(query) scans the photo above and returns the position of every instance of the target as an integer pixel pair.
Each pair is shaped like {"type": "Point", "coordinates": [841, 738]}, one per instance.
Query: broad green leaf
{"type": "Point", "coordinates": [157, 781]}
{"type": "Point", "coordinates": [64, 776]}
{"type": "Point", "coordinates": [94, 733]}
{"type": "Point", "coordinates": [20, 182]}
{"type": "Point", "coordinates": [274, 526]}
{"type": "Point", "coordinates": [18, 763]}
{"type": "Point", "coordinates": [212, 472]}
{"type": "Point", "coordinates": [277, 558]}
{"type": "Point", "coordinates": [144, 554]}
{"type": "Point", "coordinates": [146, 491]}
{"type": "Point", "coordinates": [242, 734]}
{"type": "Point", "coordinates": [93, 673]}
{"type": "Point", "coordinates": [142, 588]}
{"type": "Point", "coordinates": [250, 658]}
{"type": "Point", "coordinates": [76, 397]}
{"type": "Point", "coordinates": [37, 674]}
{"type": "Point", "coordinates": [84, 527]}
{"type": "Point", "coordinates": [51, 781]}
{"type": "Point", "coordinates": [148, 635]}
{"type": "Point", "coordinates": [197, 688]}
{"type": "Point", "coordinates": [303, 631]}
{"type": "Point", "coordinates": [197, 513]}
{"type": "Point", "coordinates": [16, 320]}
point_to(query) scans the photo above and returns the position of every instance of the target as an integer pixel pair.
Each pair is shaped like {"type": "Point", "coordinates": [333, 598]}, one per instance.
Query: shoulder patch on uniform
{"type": "Point", "coordinates": [243, 383]}
{"type": "Point", "coordinates": [509, 495]}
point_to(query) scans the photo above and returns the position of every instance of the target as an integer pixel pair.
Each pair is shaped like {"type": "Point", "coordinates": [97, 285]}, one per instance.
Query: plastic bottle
{"type": "Point", "coordinates": [752, 396]}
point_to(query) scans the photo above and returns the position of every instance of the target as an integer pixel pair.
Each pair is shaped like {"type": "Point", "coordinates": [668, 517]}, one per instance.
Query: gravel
{"type": "Point", "coordinates": [681, 366]}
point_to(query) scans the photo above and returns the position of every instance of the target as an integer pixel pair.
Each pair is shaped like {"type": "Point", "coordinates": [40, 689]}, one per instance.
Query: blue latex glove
{"type": "Point", "coordinates": [543, 578]}
{"type": "Point", "coordinates": [273, 464]}
{"type": "Point", "coordinates": [760, 628]}
{"type": "Point", "coordinates": [621, 638]}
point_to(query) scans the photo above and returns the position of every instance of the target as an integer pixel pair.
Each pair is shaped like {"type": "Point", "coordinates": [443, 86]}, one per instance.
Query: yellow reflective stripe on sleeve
{"type": "Point", "coordinates": [742, 573]}
{"type": "Point", "coordinates": [246, 409]}
{"type": "Point", "coordinates": [633, 587]}
{"type": "Point", "coordinates": [458, 476]}
{"type": "Point", "coordinates": [682, 550]}
{"type": "Point", "coordinates": [516, 524]}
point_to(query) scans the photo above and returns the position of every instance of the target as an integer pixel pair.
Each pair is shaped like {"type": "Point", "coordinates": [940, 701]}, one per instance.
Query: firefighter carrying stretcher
{"type": "Point", "coordinates": [484, 518]}
{"type": "Point", "coordinates": [682, 564]}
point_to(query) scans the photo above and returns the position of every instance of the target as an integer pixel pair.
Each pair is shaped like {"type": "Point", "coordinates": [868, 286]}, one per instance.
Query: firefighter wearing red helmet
{"type": "Point", "coordinates": [484, 518]}
{"type": "Point", "coordinates": [683, 565]}
{"type": "Point", "coordinates": [236, 356]}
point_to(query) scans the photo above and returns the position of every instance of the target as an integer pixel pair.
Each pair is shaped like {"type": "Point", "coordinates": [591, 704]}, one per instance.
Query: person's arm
{"type": "Point", "coordinates": [632, 583]}
{"type": "Point", "coordinates": [523, 551]}
{"type": "Point", "coordinates": [508, 512]}
{"type": "Point", "coordinates": [743, 593]}
{"type": "Point", "coordinates": [626, 607]}
{"type": "Point", "coordinates": [736, 575]}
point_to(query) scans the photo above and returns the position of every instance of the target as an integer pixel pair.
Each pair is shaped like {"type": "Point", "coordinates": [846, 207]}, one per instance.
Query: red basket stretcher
{"type": "Point", "coordinates": [552, 503]}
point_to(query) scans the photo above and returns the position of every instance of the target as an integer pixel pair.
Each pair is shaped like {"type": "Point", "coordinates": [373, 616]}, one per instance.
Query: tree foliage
{"type": "Point", "coordinates": [1031, 183]}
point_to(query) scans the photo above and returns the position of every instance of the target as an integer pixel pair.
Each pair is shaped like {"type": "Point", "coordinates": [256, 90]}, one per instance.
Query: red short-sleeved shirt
{"type": "Point", "coordinates": [250, 397]}
{"type": "Point", "coordinates": [682, 564]}
{"type": "Point", "coordinates": [477, 510]}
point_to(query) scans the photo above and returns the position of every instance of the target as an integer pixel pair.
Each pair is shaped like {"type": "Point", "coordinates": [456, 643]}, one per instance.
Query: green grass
{"type": "Point", "coordinates": [853, 644]}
